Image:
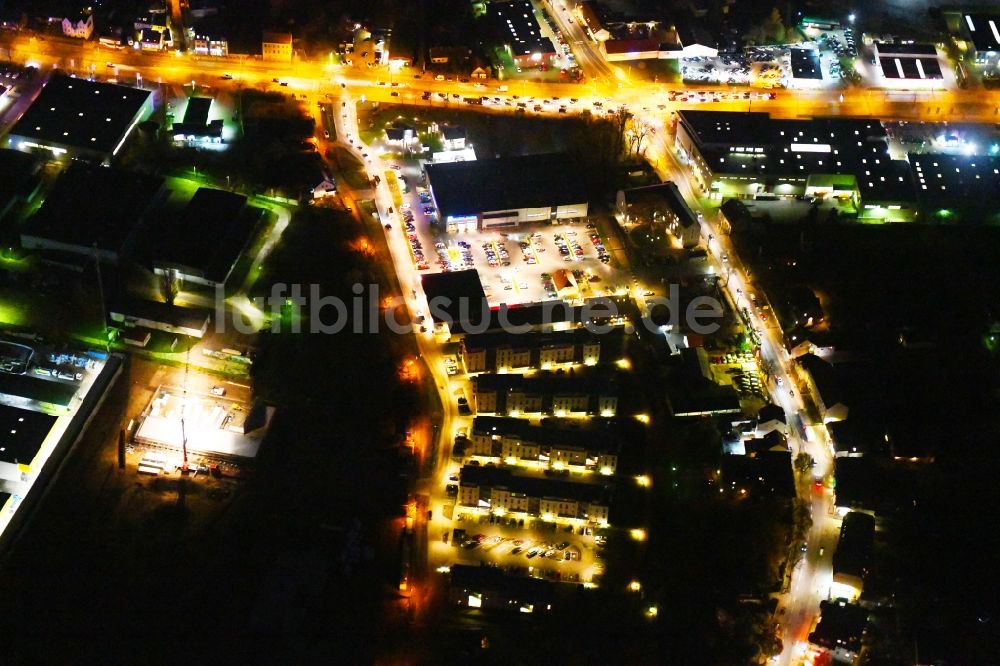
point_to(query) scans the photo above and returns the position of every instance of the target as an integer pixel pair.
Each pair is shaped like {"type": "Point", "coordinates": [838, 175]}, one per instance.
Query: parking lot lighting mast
{"type": "Point", "coordinates": [100, 296]}
{"type": "Point", "coordinates": [184, 391]}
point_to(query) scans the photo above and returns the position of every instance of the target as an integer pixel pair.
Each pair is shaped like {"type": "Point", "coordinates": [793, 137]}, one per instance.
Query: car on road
{"type": "Point", "coordinates": [218, 390]}
{"type": "Point", "coordinates": [226, 77]}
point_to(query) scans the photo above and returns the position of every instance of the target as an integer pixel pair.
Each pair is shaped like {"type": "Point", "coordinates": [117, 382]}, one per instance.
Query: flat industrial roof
{"type": "Point", "coordinates": [984, 29]}
{"type": "Point", "coordinates": [164, 313]}
{"type": "Point", "coordinates": [94, 205]}
{"type": "Point", "coordinates": [617, 46]}
{"type": "Point", "coordinates": [897, 67]}
{"type": "Point", "coordinates": [18, 169]}
{"type": "Point", "coordinates": [209, 234]}
{"type": "Point", "coordinates": [195, 121]}
{"type": "Point", "coordinates": [21, 433]}
{"type": "Point", "coordinates": [82, 114]}
{"type": "Point", "coordinates": [506, 183]}
{"type": "Point", "coordinates": [197, 110]}
{"type": "Point", "coordinates": [805, 64]}
{"type": "Point", "coordinates": [208, 425]}
{"type": "Point", "coordinates": [37, 389]}
{"type": "Point", "coordinates": [515, 21]}
{"type": "Point", "coordinates": [447, 291]}
{"type": "Point", "coordinates": [756, 145]}
{"type": "Point", "coordinates": [857, 541]}
{"type": "Point", "coordinates": [914, 50]}
{"type": "Point", "coordinates": [957, 179]}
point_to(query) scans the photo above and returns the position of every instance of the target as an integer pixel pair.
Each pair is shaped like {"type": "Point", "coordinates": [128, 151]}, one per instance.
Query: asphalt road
{"type": "Point", "coordinates": [650, 101]}
{"type": "Point", "coordinates": [799, 605]}
{"type": "Point", "coordinates": [87, 58]}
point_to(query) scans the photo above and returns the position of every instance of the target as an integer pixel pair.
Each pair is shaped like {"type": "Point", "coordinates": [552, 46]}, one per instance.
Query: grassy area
{"type": "Point", "coordinates": [351, 170]}
{"type": "Point", "coordinates": [487, 133]}
{"type": "Point", "coordinates": [652, 71]}
{"type": "Point", "coordinates": [245, 263]}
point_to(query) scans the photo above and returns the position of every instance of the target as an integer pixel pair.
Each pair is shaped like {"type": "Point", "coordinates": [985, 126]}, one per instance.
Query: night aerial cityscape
{"type": "Point", "coordinates": [500, 332]}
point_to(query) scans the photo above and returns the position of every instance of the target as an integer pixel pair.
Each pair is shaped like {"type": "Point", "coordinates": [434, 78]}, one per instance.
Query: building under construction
{"type": "Point", "coordinates": [212, 428]}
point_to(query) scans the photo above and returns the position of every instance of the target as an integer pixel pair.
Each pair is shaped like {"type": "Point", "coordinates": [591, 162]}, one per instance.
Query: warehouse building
{"type": "Point", "coordinates": [966, 182]}
{"type": "Point", "coordinates": [204, 244]}
{"type": "Point", "coordinates": [517, 28]}
{"type": "Point", "coordinates": [909, 65]}
{"type": "Point", "coordinates": [853, 557]}
{"type": "Point", "coordinates": [807, 70]}
{"type": "Point", "coordinates": [747, 154]}
{"type": "Point", "coordinates": [22, 433]}
{"type": "Point", "coordinates": [93, 212]}
{"type": "Point", "coordinates": [48, 397]}
{"type": "Point", "coordinates": [982, 33]}
{"type": "Point", "coordinates": [21, 180]}
{"type": "Point", "coordinates": [507, 191]}
{"type": "Point", "coordinates": [132, 317]}
{"type": "Point", "coordinates": [195, 125]}
{"type": "Point", "coordinates": [81, 119]}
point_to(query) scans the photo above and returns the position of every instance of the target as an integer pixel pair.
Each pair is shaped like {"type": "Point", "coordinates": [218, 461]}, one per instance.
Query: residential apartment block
{"type": "Point", "coordinates": [499, 490]}
{"type": "Point", "coordinates": [516, 441]}
{"type": "Point", "coordinates": [546, 392]}
{"type": "Point", "coordinates": [503, 352]}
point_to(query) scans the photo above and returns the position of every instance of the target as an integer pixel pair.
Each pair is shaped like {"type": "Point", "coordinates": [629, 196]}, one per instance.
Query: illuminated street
{"type": "Point", "coordinates": [456, 478]}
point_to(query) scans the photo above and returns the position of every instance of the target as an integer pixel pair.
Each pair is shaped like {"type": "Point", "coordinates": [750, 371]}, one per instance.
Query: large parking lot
{"type": "Point", "coordinates": [532, 264]}
{"type": "Point", "coordinates": [520, 544]}
{"type": "Point", "coordinates": [537, 549]}
{"type": "Point", "coordinates": [769, 66]}
{"type": "Point", "coordinates": [523, 265]}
